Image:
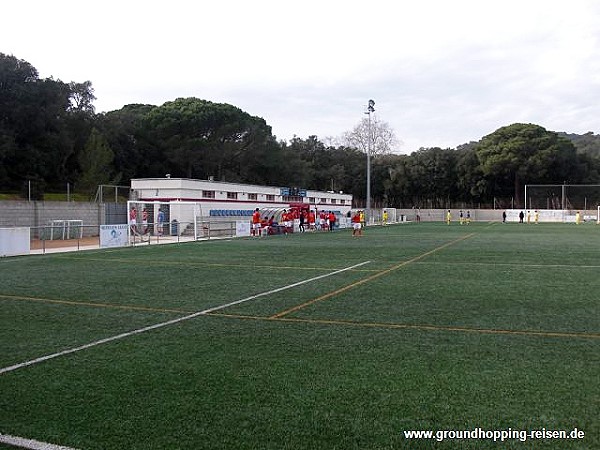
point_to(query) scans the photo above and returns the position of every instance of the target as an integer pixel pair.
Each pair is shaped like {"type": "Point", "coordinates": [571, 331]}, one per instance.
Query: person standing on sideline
{"type": "Point", "coordinates": [578, 218]}
{"type": "Point", "coordinates": [536, 217]}
{"type": "Point", "coordinates": [160, 219]}
{"type": "Point", "coordinates": [468, 217]}
{"type": "Point", "coordinates": [311, 220]}
{"type": "Point", "coordinates": [528, 217]}
{"type": "Point", "coordinates": [448, 217]}
{"type": "Point", "coordinates": [133, 220]}
{"type": "Point", "coordinates": [285, 218]}
{"type": "Point", "coordinates": [255, 223]}
{"type": "Point", "coordinates": [385, 217]}
{"type": "Point", "coordinates": [145, 221]}
{"type": "Point", "coordinates": [322, 221]}
{"type": "Point", "coordinates": [503, 216]}
{"type": "Point", "coordinates": [302, 217]}
{"type": "Point", "coordinates": [356, 224]}
{"type": "Point", "coordinates": [521, 216]}
{"type": "Point", "coordinates": [331, 220]}
{"type": "Point", "coordinates": [461, 219]}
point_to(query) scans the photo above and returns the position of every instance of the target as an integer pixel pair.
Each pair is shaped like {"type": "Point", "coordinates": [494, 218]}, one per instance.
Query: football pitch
{"type": "Point", "coordinates": [309, 341]}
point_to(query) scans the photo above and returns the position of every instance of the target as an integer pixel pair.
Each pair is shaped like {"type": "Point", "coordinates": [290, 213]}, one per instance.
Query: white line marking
{"type": "Point", "coordinates": [171, 322]}
{"type": "Point", "coordinates": [30, 443]}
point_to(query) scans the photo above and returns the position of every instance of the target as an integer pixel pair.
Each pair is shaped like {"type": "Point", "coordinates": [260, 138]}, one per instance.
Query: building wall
{"type": "Point", "coordinates": [232, 196]}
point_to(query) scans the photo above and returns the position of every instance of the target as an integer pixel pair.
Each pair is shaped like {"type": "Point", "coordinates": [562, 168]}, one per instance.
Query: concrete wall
{"type": "Point", "coordinates": [439, 215]}
{"type": "Point", "coordinates": [489, 215]}
{"type": "Point", "coordinates": [38, 214]}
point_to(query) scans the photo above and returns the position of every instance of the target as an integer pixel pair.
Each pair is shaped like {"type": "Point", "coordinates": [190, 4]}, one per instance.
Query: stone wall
{"type": "Point", "coordinates": [40, 214]}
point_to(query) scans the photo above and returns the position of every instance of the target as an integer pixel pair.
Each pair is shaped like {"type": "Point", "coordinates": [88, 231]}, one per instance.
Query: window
{"type": "Point", "coordinates": [252, 196]}
{"type": "Point", "coordinates": [342, 202]}
{"type": "Point", "coordinates": [208, 194]}
{"type": "Point", "coordinates": [270, 198]}
{"type": "Point", "coordinates": [323, 200]}
{"type": "Point", "coordinates": [311, 200]}
{"type": "Point", "coordinates": [232, 195]}
{"type": "Point", "coordinates": [333, 201]}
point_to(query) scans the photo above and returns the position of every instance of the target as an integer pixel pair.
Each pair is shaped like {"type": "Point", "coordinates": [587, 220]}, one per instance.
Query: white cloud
{"type": "Point", "coordinates": [442, 73]}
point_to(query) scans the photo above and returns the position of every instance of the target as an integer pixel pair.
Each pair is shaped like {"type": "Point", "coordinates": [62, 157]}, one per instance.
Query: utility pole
{"type": "Point", "coordinates": [370, 109]}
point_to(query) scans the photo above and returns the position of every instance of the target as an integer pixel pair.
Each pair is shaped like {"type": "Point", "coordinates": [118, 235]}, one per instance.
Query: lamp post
{"type": "Point", "coordinates": [370, 109]}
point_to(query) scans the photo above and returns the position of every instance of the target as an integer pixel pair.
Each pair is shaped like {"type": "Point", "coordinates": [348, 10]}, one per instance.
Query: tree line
{"type": "Point", "coordinates": [50, 135]}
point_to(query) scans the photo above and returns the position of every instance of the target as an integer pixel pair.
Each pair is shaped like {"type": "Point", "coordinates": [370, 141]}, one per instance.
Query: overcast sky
{"type": "Point", "coordinates": [442, 73]}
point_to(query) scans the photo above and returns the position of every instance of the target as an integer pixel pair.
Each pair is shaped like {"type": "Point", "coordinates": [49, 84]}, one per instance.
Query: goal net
{"type": "Point", "coordinates": [389, 215]}
{"type": "Point", "coordinates": [63, 229]}
{"type": "Point", "coordinates": [566, 197]}
{"type": "Point", "coordinates": [174, 219]}
{"type": "Point", "coordinates": [564, 202]}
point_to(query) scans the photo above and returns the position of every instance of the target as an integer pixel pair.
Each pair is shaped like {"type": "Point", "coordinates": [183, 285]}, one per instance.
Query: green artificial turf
{"type": "Point", "coordinates": [455, 327]}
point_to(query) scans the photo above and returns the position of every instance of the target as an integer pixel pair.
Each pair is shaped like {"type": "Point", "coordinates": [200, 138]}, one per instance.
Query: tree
{"type": "Point", "coordinates": [434, 172]}
{"type": "Point", "coordinates": [96, 163]}
{"type": "Point", "coordinates": [82, 96]}
{"type": "Point", "coordinates": [382, 138]}
{"type": "Point", "coordinates": [525, 153]}
{"type": "Point", "coordinates": [136, 154]}
{"type": "Point", "coordinates": [470, 183]}
{"type": "Point", "coordinates": [202, 139]}
{"type": "Point", "coordinates": [41, 130]}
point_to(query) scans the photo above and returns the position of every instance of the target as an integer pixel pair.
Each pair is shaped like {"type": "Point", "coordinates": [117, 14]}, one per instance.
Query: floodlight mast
{"type": "Point", "coordinates": [370, 109]}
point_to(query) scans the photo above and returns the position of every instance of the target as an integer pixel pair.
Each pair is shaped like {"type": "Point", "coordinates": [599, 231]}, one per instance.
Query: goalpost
{"type": "Point", "coordinates": [562, 202]}
{"type": "Point", "coordinates": [392, 215]}
{"type": "Point", "coordinates": [173, 219]}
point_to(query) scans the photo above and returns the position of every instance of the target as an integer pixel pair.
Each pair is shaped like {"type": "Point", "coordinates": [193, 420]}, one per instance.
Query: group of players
{"type": "Point", "coordinates": [136, 230]}
{"type": "Point", "coordinates": [315, 220]}
{"type": "Point", "coordinates": [308, 219]}
{"type": "Point", "coordinates": [463, 219]}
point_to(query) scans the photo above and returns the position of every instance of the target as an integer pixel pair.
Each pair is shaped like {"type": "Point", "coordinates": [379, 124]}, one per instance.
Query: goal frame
{"type": "Point", "coordinates": [180, 217]}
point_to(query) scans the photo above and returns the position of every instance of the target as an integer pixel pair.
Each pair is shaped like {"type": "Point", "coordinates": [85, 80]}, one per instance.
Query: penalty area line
{"type": "Point", "coordinates": [173, 321]}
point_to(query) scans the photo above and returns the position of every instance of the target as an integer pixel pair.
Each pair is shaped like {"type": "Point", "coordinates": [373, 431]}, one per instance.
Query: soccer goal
{"type": "Point", "coordinates": [175, 219]}
{"type": "Point", "coordinates": [65, 229]}
{"type": "Point", "coordinates": [388, 216]}
{"type": "Point", "coordinates": [567, 197]}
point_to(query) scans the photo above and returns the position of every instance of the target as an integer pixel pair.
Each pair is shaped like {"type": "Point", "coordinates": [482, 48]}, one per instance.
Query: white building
{"type": "Point", "coordinates": [222, 199]}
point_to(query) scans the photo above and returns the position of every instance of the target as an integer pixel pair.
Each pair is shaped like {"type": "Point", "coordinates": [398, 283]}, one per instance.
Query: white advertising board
{"type": "Point", "coordinates": [15, 241]}
{"type": "Point", "coordinates": [242, 228]}
{"type": "Point", "coordinates": [113, 236]}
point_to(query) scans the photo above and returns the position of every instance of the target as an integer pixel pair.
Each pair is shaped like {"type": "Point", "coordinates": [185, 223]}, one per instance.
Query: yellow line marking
{"type": "Point", "coordinates": [367, 279]}
{"type": "Point", "coordinates": [95, 305]}
{"type": "Point", "coordinates": [414, 326]}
